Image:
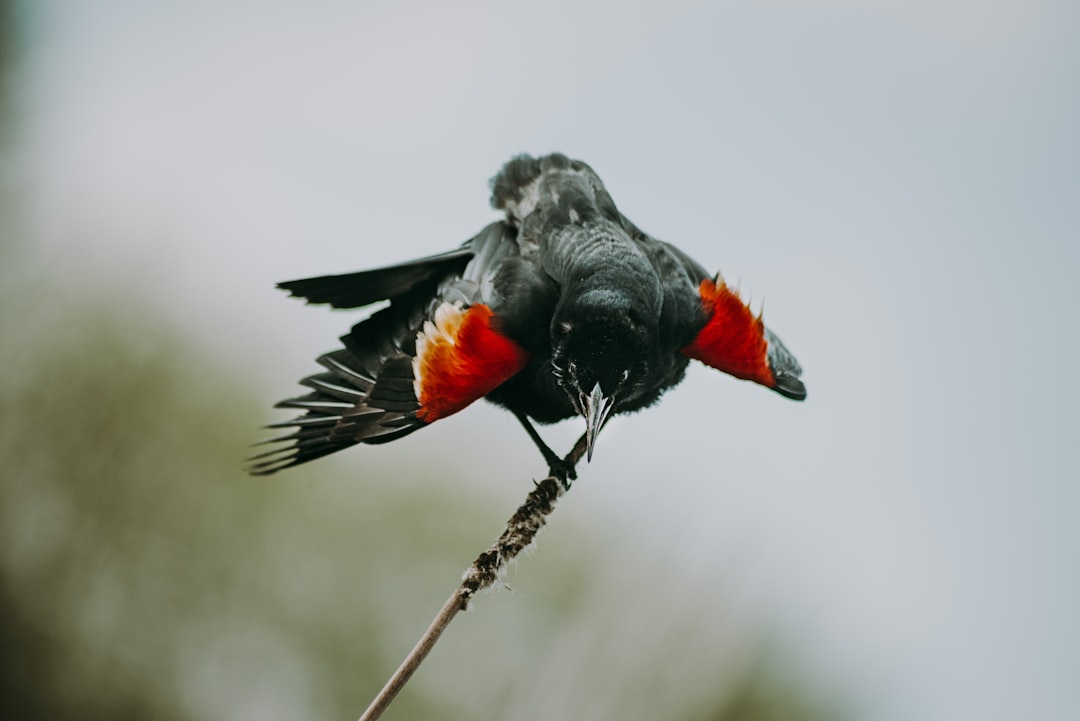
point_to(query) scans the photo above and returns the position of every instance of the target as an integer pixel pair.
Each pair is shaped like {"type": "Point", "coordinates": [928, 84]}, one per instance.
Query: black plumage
{"type": "Point", "coordinates": [601, 312]}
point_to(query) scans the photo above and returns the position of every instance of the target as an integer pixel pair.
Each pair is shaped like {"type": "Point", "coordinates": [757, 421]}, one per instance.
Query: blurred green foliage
{"type": "Point", "coordinates": [142, 575]}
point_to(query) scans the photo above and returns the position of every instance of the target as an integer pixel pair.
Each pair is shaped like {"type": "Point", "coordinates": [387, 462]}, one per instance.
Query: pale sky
{"type": "Point", "coordinates": [899, 181]}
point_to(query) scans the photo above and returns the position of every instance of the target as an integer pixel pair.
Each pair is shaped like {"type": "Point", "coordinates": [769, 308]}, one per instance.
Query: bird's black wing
{"type": "Point", "coordinates": [365, 394]}
{"type": "Point", "coordinates": [354, 290]}
{"type": "Point", "coordinates": [693, 269]}
{"type": "Point", "coordinates": [685, 317]}
{"type": "Point", "coordinates": [368, 390]}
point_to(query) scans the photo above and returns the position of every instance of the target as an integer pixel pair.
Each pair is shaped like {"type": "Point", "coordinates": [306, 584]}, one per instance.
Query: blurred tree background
{"type": "Point", "coordinates": [898, 181]}
{"type": "Point", "coordinates": [144, 576]}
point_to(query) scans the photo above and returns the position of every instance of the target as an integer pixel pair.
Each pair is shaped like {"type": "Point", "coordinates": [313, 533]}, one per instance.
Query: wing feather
{"type": "Point", "coordinates": [367, 390]}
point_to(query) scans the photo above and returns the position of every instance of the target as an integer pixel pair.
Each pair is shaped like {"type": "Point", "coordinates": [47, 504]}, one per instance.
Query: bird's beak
{"type": "Point", "coordinates": [597, 409]}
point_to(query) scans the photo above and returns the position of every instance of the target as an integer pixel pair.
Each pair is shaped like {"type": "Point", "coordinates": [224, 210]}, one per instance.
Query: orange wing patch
{"type": "Point", "coordinates": [461, 357]}
{"type": "Point", "coordinates": [733, 339]}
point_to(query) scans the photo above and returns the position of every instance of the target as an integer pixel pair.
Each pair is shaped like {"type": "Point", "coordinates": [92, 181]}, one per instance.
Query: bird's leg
{"type": "Point", "coordinates": [560, 468]}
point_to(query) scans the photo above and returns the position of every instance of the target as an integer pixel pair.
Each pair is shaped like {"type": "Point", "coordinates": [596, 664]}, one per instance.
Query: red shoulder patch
{"type": "Point", "coordinates": [733, 339]}
{"type": "Point", "coordinates": [460, 357]}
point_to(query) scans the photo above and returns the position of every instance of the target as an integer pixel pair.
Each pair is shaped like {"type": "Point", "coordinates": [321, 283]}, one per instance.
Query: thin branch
{"type": "Point", "coordinates": [520, 531]}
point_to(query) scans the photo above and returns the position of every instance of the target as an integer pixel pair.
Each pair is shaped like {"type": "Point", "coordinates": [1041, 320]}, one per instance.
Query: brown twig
{"type": "Point", "coordinates": [520, 531]}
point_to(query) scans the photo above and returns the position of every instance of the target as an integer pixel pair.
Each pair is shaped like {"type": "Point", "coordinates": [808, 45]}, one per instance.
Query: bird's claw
{"type": "Point", "coordinates": [563, 471]}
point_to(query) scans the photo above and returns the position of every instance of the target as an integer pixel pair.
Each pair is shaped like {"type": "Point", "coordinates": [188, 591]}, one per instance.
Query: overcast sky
{"type": "Point", "coordinates": [900, 183]}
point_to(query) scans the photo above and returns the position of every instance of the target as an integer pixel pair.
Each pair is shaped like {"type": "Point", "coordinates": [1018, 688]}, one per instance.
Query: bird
{"type": "Point", "coordinates": [562, 308]}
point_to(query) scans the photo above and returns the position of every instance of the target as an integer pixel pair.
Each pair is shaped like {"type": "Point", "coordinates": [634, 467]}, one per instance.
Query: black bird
{"type": "Point", "coordinates": [563, 308]}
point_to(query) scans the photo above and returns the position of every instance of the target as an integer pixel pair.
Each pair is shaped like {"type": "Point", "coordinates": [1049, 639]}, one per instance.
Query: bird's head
{"type": "Point", "coordinates": [598, 359]}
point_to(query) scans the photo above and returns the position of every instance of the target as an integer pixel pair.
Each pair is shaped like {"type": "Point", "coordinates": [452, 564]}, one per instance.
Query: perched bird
{"type": "Point", "coordinates": [563, 308]}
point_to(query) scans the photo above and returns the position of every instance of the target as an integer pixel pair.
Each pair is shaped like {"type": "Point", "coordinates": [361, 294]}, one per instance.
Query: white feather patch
{"type": "Point", "coordinates": [530, 198]}
{"type": "Point", "coordinates": [444, 330]}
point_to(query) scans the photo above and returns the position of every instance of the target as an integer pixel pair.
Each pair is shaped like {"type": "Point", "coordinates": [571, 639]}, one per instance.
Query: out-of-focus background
{"type": "Point", "coordinates": [900, 183]}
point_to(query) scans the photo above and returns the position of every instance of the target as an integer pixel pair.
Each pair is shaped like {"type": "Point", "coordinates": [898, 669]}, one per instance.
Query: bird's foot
{"type": "Point", "coordinates": [562, 470]}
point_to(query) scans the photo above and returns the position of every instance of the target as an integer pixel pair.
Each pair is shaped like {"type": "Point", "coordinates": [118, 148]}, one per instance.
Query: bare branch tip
{"type": "Point", "coordinates": [520, 533]}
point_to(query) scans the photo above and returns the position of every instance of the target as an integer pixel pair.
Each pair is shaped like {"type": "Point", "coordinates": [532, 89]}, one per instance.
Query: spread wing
{"type": "Point", "coordinates": [434, 350]}
{"type": "Point", "coordinates": [724, 333]}
{"type": "Point", "coordinates": [355, 290]}
{"type": "Point", "coordinates": [735, 341]}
